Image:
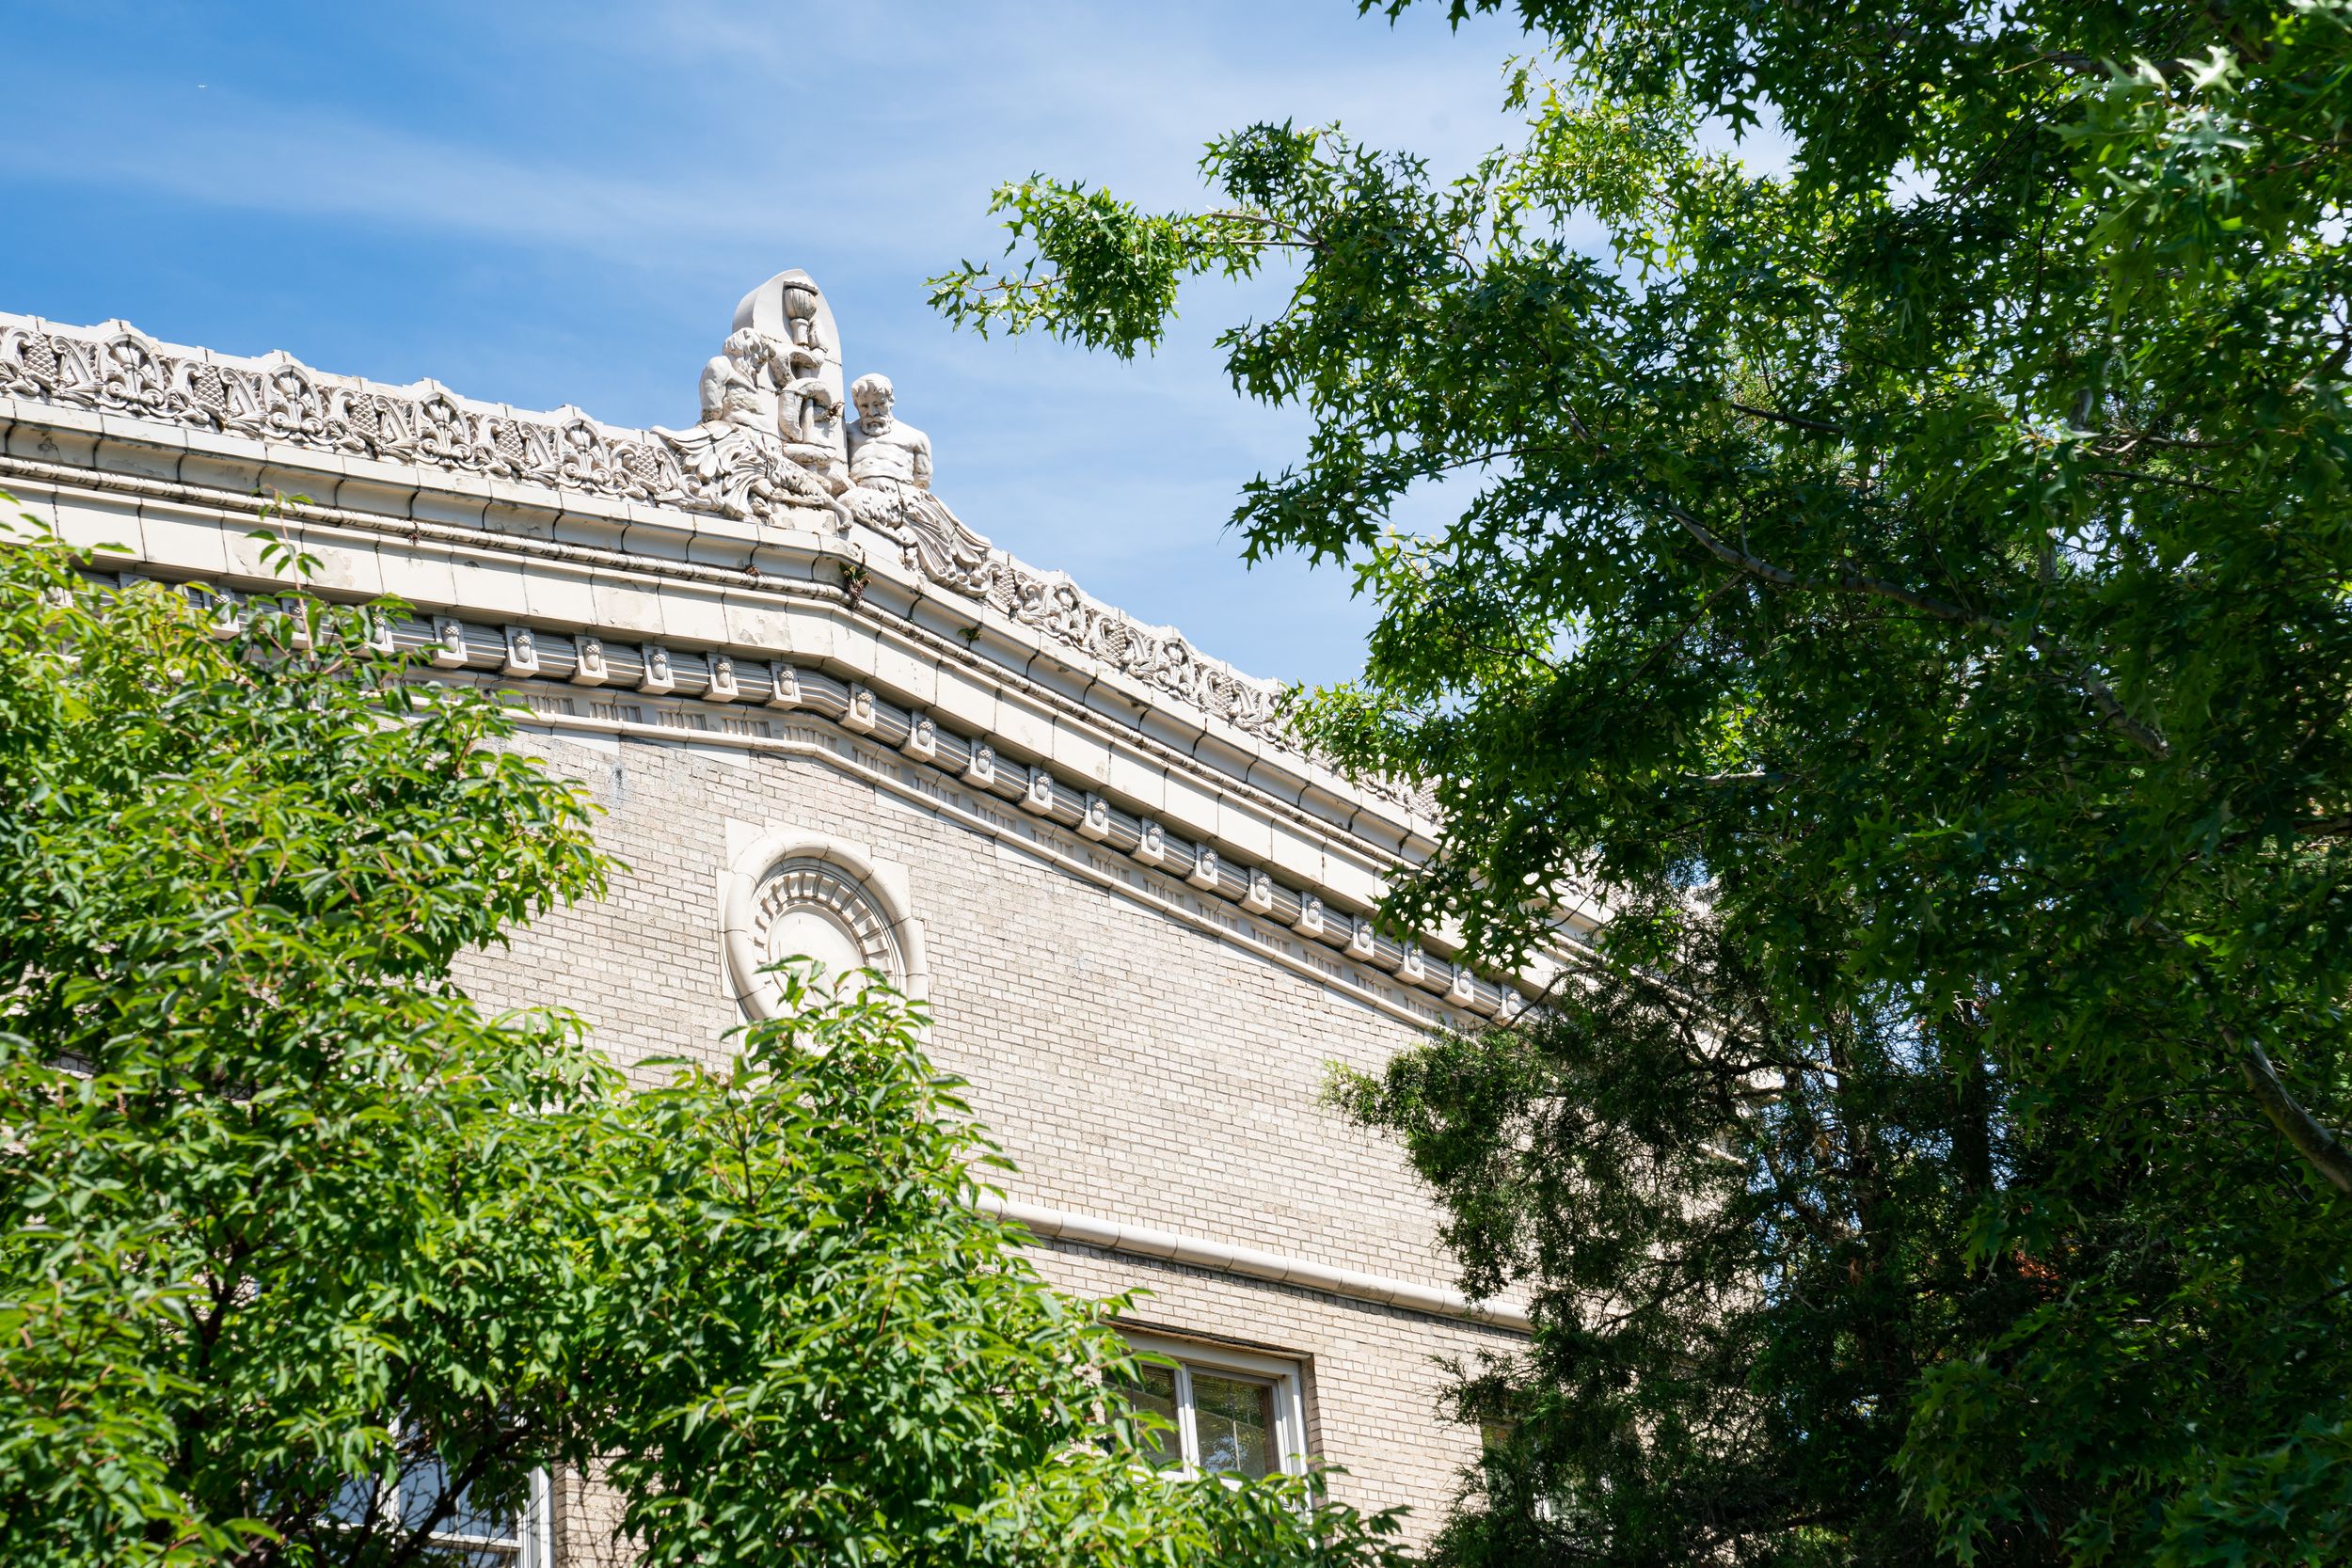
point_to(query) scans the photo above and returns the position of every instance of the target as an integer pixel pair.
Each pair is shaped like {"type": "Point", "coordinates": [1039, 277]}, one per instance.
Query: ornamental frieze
{"type": "Point", "coordinates": [781, 442]}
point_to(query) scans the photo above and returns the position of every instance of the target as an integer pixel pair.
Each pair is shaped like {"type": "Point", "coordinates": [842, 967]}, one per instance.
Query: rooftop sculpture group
{"type": "Point", "coordinates": [772, 434]}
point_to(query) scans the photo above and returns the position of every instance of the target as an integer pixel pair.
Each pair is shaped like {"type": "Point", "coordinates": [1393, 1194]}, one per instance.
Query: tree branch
{"type": "Point", "coordinates": [1777, 418]}
{"type": "Point", "coordinates": [2311, 1139]}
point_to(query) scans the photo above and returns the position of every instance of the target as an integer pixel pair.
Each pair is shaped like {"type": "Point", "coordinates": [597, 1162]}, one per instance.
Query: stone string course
{"type": "Point", "coordinates": [1059, 1225]}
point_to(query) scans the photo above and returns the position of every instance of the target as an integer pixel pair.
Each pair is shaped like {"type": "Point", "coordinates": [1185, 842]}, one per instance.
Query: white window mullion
{"type": "Point", "coordinates": [1293, 1410]}
{"type": "Point", "coordinates": [539, 1523]}
{"type": "Point", "coordinates": [1186, 1428]}
{"type": "Point", "coordinates": [391, 1512]}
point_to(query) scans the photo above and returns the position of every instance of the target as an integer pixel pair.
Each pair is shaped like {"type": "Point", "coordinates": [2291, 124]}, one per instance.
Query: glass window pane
{"type": "Point", "coordinates": [471, 1556]}
{"type": "Point", "coordinates": [1153, 1389]}
{"type": "Point", "coordinates": [1235, 1422]}
{"type": "Point", "coordinates": [473, 1522]}
{"type": "Point", "coordinates": [421, 1488]}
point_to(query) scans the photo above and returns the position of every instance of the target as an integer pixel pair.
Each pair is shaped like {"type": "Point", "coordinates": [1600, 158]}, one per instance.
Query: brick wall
{"type": "Point", "coordinates": [1134, 1067]}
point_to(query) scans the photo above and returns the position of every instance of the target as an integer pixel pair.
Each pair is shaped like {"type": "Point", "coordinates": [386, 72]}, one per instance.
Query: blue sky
{"type": "Point", "coordinates": [540, 204]}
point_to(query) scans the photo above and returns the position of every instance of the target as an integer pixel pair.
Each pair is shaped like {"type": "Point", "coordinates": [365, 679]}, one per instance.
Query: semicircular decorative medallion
{"type": "Point", "coordinates": [813, 908]}
{"type": "Point", "coordinates": [795, 893]}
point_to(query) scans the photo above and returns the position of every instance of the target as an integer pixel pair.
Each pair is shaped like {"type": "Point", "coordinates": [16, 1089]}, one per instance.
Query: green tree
{"type": "Point", "coordinates": [304, 1260]}
{"type": "Point", "coordinates": [1912, 589]}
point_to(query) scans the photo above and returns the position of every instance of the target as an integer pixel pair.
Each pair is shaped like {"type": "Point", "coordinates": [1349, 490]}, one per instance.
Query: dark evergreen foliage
{"type": "Point", "coordinates": [1913, 590]}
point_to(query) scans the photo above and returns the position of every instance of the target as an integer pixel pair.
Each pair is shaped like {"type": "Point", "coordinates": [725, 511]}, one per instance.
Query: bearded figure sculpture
{"type": "Point", "coordinates": [890, 491]}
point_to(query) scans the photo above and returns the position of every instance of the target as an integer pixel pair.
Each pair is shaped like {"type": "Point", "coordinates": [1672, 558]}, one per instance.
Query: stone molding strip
{"type": "Point", "coordinates": [1405, 833]}
{"type": "Point", "coordinates": [748, 682]}
{"type": "Point", "coordinates": [1138, 1240]}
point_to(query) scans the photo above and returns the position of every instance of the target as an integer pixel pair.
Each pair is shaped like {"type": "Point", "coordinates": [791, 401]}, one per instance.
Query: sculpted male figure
{"type": "Point", "coordinates": [885, 452]}
{"type": "Point", "coordinates": [890, 490]}
{"type": "Point", "coordinates": [734, 385]}
{"type": "Point", "coordinates": [736, 456]}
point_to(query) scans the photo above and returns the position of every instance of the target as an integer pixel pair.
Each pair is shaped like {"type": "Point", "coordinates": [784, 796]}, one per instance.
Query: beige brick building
{"type": "Point", "coordinates": [824, 715]}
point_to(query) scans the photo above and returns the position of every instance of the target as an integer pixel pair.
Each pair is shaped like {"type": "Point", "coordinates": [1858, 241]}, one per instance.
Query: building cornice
{"type": "Point", "coordinates": [428, 440]}
{"type": "Point", "coordinates": [701, 614]}
{"type": "Point", "coordinates": [908, 673]}
{"type": "Point", "coordinates": [1274, 866]}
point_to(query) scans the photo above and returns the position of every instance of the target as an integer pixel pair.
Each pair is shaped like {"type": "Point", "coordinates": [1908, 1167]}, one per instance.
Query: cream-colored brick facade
{"type": "Point", "coordinates": [1131, 1066]}
{"type": "Point", "coordinates": [1141, 915]}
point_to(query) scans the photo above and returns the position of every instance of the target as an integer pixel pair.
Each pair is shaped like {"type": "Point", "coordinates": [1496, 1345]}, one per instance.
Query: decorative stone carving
{"type": "Point", "coordinates": [738, 453]}
{"type": "Point", "coordinates": [1157, 657]}
{"type": "Point", "coordinates": [1310, 921]}
{"type": "Point", "coordinates": [589, 667]}
{"type": "Point", "coordinates": [1039, 795]}
{"type": "Point", "coordinates": [770, 447]}
{"type": "Point", "coordinates": [799, 896]}
{"type": "Point", "coordinates": [449, 643]}
{"type": "Point", "coordinates": [809, 908]}
{"type": "Point", "coordinates": [789, 313]}
{"type": "Point", "coordinates": [859, 717]}
{"type": "Point", "coordinates": [522, 652]}
{"type": "Point", "coordinates": [112, 367]}
{"type": "Point", "coordinates": [656, 680]}
{"type": "Point", "coordinates": [890, 491]}
{"type": "Point", "coordinates": [228, 616]}
{"type": "Point", "coordinates": [1096, 823]}
{"type": "Point", "coordinates": [771, 434]}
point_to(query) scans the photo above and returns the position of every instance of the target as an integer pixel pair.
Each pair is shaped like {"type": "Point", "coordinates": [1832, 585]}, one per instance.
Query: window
{"type": "Point", "coordinates": [467, 1537]}
{"type": "Point", "coordinates": [1234, 1412]}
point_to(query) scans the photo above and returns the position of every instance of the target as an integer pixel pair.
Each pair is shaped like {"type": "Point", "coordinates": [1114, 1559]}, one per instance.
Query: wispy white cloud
{"type": "Point", "coordinates": [882, 131]}
{"type": "Point", "coordinates": [263, 157]}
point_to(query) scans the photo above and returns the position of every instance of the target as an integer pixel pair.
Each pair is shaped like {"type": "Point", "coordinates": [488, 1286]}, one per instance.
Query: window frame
{"type": "Point", "coordinates": [1285, 1375]}
{"type": "Point", "coordinates": [532, 1547]}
